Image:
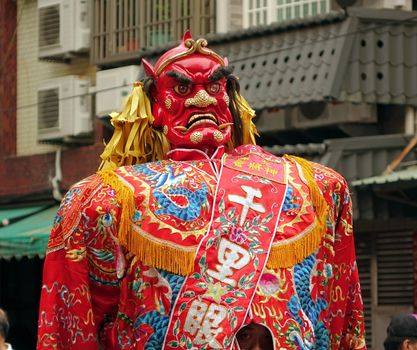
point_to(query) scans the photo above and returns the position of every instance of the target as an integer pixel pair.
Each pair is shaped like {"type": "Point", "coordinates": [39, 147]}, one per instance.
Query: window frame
{"type": "Point", "coordinates": [272, 8]}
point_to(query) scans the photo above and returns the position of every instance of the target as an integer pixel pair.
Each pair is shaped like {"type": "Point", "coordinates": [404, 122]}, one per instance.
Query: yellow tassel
{"type": "Point", "coordinates": [319, 203]}
{"type": "Point", "coordinates": [295, 251]}
{"type": "Point", "coordinates": [134, 140]}
{"type": "Point", "coordinates": [248, 127]}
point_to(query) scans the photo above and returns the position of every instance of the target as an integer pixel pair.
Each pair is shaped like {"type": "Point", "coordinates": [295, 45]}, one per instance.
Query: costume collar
{"type": "Point", "coordinates": [183, 154]}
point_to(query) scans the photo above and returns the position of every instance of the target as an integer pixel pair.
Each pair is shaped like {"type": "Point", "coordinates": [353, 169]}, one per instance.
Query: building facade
{"type": "Point", "coordinates": [334, 81]}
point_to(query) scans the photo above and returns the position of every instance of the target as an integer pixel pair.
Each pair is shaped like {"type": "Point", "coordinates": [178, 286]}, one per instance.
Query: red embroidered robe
{"type": "Point", "coordinates": [97, 295]}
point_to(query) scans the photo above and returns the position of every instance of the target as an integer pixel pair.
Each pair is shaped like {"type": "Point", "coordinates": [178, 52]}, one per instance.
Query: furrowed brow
{"type": "Point", "coordinates": [220, 73]}
{"type": "Point", "coordinates": [181, 78]}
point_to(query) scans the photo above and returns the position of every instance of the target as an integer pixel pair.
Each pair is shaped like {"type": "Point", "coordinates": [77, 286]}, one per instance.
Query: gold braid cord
{"type": "Point", "coordinates": [198, 46]}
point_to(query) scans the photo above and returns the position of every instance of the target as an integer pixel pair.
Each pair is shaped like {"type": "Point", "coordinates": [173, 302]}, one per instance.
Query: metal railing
{"type": "Point", "coordinates": [123, 28]}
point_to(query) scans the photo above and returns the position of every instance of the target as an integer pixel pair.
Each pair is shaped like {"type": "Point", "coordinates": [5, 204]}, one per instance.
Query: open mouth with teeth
{"type": "Point", "coordinates": [198, 119]}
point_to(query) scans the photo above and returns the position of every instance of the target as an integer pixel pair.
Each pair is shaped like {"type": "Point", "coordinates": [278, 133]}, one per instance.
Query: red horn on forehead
{"type": "Point", "coordinates": [186, 36]}
{"type": "Point", "coordinates": [149, 69]}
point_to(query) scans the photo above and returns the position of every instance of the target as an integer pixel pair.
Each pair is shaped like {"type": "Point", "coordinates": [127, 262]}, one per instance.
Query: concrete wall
{"type": "Point", "coordinates": [30, 73]}
{"type": "Point", "coordinates": [26, 167]}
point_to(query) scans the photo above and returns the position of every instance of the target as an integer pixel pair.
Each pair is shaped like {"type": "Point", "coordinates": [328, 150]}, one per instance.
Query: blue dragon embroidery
{"type": "Point", "coordinates": [159, 179]}
{"type": "Point", "coordinates": [303, 301]}
{"type": "Point", "coordinates": [165, 184]}
{"type": "Point", "coordinates": [196, 200]}
{"type": "Point", "coordinates": [159, 321]}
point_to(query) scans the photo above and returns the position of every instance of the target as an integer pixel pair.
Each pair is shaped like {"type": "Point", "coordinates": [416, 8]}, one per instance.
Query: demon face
{"type": "Point", "coordinates": [189, 98]}
{"type": "Point", "coordinates": [191, 104]}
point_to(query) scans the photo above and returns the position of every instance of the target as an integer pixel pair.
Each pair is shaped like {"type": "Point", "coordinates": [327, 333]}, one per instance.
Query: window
{"type": "Point", "coordinates": [122, 28]}
{"type": "Point", "coordinates": [261, 12]}
{"type": "Point", "coordinates": [257, 12]}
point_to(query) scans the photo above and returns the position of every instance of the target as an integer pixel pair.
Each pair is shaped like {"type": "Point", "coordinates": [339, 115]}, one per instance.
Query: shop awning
{"type": "Point", "coordinates": [400, 186]}
{"type": "Point", "coordinates": [406, 175]}
{"type": "Point", "coordinates": [27, 237]}
{"type": "Point", "coordinates": [7, 216]}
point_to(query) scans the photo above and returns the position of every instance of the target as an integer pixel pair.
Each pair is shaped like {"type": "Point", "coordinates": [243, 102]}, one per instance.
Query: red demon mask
{"type": "Point", "coordinates": [189, 100]}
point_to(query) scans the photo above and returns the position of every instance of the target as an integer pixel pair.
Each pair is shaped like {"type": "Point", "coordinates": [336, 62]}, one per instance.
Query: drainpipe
{"type": "Point", "coordinates": [410, 120]}
{"type": "Point", "coordinates": [56, 193]}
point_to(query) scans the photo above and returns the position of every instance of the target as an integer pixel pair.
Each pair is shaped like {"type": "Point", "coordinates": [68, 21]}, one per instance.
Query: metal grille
{"type": "Point", "coordinates": [395, 268]}
{"type": "Point", "coordinates": [385, 264]}
{"type": "Point", "coordinates": [49, 26]}
{"type": "Point", "coordinates": [122, 28]}
{"type": "Point", "coordinates": [48, 110]}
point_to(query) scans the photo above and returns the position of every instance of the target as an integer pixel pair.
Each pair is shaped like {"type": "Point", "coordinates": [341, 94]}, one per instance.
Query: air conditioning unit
{"type": "Point", "coordinates": [63, 27]}
{"type": "Point", "coordinates": [389, 4]}
{"type": "Point", "coordinates": [64, 109]}
{"type": "Point", "coordinates": [113, 86]}
{"type": "Point", "coordinates": [402, 4]}
{"type": "Point", "coordinates": [319, 114]}
{"type": "Point", "coordinates": [271, 119]}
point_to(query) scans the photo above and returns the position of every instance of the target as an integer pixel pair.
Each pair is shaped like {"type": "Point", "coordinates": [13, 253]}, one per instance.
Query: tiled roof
{"type": "Point", "coordinates": [357, 158]}
{"type": "Point", "coordinates": [382, 65]}
{"type": "Point", "coordinates": [304, 150]}
{"type": "Point", "coordinates": [291, 66]}
{"type": "Point", "coordinates": [366, 56]}
{"type": "Point", "coordinates": [360, 56]}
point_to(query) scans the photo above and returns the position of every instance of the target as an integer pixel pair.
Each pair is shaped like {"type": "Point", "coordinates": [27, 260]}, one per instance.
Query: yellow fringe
{"type": "Point", "coordinates": [294, 252]}
{"type": "Point", "coordinates": [125, 197]}
{"type": "Point", "coordinates": [178, 261]}
{"type": "Point", "coordinates": [147, 249]}
{"type": "Point", "coordinates": [290, 254]}
{"type": "Point", "coordinates": [160, 255]}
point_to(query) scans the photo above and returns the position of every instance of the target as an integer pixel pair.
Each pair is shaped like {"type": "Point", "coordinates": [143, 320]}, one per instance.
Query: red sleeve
{"type": "Point", "coordinates": [80, 288]}
{"type": "Point", "coordinates": [346, 308]}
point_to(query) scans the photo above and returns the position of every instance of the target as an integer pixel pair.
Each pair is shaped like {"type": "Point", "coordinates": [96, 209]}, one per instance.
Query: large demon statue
{"type": "Point", "coordinates": [192, 237]}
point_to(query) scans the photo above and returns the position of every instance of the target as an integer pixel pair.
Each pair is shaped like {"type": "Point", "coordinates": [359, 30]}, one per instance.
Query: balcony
{"type": "Point", "coordinates": [121, 29]}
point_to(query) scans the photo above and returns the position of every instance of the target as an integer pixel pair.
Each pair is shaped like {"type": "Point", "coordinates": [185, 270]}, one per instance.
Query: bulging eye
{"type": "Point", "coordinates": [214, 88]}
{"type": "Point", "coordinates": [182, 89]}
